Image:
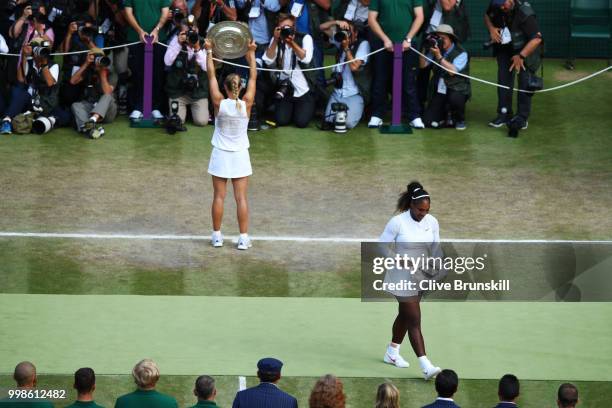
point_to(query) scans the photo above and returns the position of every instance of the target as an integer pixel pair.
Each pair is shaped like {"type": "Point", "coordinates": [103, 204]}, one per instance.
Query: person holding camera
{"type": "Point", "coordinates": [37, 88]}
{"type": "Point", "coordinates": [517, 46]}
{"type": "Point", "coordinates": [31, 24]}
{"type": "Point", "coordinates": [452, 13]}
{"type": "Point", "coordinates": [187, 82]}
{"type": "Point", "coordinates": [98, 104]}
{"type": "Point", "coordinates": [347, 95]}
{"type": "Point", "coordinates": [449, 92]}
{"type": "Point", "coordinates": [230, 158]}
{"type": "Point", "coordinates": [291, 52]}
{"type": "Point", "coordinates": [395, 21]}
{"type": "Point", "coordinates": [80, 36]}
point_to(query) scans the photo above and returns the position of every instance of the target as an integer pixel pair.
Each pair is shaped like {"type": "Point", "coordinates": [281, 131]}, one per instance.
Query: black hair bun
{"type": "Point", "coordinates": [414, 186]}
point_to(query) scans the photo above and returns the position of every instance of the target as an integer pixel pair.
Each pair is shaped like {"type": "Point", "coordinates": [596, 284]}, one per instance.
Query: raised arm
{"type": "Point", "coordinates": [213, 84]}
{"type": "Point", "coordinates": [249, 95]}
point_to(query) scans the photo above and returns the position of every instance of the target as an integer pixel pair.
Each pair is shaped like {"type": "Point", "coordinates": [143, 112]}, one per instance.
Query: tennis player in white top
{"type": "Point", "coordinates": [415, 225]}
{"type": "Point", "coordinates": [230, 155]}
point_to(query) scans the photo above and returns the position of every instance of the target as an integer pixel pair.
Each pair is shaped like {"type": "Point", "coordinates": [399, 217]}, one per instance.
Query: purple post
{"type": "Point", "coordinates": [147, 96]}
{"type": "Point", "coordinates": [396, 114]}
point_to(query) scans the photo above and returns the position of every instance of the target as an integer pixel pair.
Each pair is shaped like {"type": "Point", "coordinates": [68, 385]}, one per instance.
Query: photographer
{"type": "Point", "coordinates": [355, 11]}
{"type": "Point", "coordinates": [288, 50]}
{"type": "Point", "coordinates": [347, 91]}
{"type": "Point", "coordinates": [37, 87]}
{"type": "Point", "coordinates": [79, 37]}
{"type": "Point", "coordinates": [98, 104]}
{"type": "Point", "coordinates": [449, 92]}
{"type": "Point", "coordinates": [31, 23]}
{"type": "Point", "coordinates": [450, 12]}
{"type": "Point", "coordinates": [187, 81]}
{"type": "Point", "coordinates": [517, 45]}
{"type": "Point", "coordinates": [210, 12]}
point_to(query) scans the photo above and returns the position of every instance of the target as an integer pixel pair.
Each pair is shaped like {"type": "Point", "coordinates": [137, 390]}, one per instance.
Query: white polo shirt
{"type": "Point", "coordinates": [298, 80]}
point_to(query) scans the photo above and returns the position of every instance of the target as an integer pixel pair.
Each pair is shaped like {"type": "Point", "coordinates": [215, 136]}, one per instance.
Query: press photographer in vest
{"type": "Point", "coordinates": [452, 13]}
{"type": "Point", "coordinates": [517, 43]}
{"type": "Point", "coordinates": [448, 91]}
{"type": "Point", "coordinates": [187, 82]}
{"type": "Point", "coordinates": [346, 101]}
{"type": "Point", "coordinates": [37, 89]}
{"type": "Point", "coordinates": [290, 50]}
{"type": "Point", "coordinates": [97, 104]}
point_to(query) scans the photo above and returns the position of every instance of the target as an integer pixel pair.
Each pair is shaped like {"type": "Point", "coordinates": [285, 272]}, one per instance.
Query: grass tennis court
{"type": "Point", "coordinates": [67, 303]}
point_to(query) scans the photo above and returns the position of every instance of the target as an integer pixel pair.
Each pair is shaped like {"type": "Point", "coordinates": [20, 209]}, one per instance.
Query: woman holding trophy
{"type": "Point", "coordinates": [230, 155]}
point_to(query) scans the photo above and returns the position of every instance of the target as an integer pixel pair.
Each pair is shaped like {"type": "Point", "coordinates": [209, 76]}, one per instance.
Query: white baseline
{"type": "Point", "coordinates": [173, 237]}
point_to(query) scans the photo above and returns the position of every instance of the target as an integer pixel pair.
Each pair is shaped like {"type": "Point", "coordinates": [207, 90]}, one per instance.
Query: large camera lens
{"type": "Point", "coordinates": [103, 61]}
{"type": "Point", "coordinates": [341, 35]}
{"type": "Point", "coordinates": [283, 90]}
{"type": "Point", "coordinates": [286, 31]}
{"type": "Point", "coordinates": [193, 37]}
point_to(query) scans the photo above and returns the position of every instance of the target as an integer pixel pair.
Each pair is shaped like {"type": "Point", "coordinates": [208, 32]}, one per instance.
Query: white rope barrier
{"type": "Point", "coordinates": [568, 84]}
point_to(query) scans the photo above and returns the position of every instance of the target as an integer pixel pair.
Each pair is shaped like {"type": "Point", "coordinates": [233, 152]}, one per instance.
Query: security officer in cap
{"type": "Point", "coordinates": [266, 394]}
{"type": "Point", "coordinates": [517, 45]}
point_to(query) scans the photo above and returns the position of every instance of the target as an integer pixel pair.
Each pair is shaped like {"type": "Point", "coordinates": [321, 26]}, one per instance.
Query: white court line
{"type": "Point", "coordinates": [170, 237]}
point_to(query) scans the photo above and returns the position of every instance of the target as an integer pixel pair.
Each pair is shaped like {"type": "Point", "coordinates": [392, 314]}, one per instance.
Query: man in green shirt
{"type": "Point", "coordinates": [146, 375]}
{"type": "Point", "coordinates": [26, 379]}
{"type": "Point", "coordinates": [85, 384]}
{"type": "Point", "coordinates": [146, 18]}
{"type": "Point", "coordinates": [395, 21]}
{"type": "Point", "coordinates": [205, 391]}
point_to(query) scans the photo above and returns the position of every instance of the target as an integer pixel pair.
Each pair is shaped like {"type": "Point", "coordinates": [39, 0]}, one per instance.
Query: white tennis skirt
{"type": "Point", "coordinates": [226, 164]}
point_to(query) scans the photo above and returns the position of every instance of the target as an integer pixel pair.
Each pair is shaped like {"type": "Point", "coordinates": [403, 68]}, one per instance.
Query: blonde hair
{"type": "Point", "coordinates": [387, 396]}
{"type": "Point", "coordinates": [145, 373]}
{"type": "Point", "coordinates": [232, 83]}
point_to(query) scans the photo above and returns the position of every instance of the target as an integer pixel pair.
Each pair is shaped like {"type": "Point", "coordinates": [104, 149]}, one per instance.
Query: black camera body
{"type": "Point", "coordinates": [190, 82]}
{"type": "Point", "coordinates": [433, 40]}
{"type": "Point", "coordinates": [286, 31]}
{"type": "Point", "coordinates": [284, 89]}
{"type": "Point", "coordinates": [514, 126]}
{"type": "Point", "coordinates": [341, 35]}
{"type": "Point", "coordinates": [193, 37]}
{"type": "Point", "coordinates": [177, 16]}
{"type": "Point", "coordinates": [102, 61]}
{"type": "Point", "coordinates": [336, 80]}
{"type": "Point", "coordinates": [174, 122]}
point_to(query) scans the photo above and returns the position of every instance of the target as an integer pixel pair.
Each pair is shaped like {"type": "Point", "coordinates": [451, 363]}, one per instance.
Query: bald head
{"type": "Point", "coordinates": [25, 374]}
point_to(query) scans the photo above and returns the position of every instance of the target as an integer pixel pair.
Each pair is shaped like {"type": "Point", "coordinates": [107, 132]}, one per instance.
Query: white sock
{"type": "Point", "coordinates": [93, 119]}
{"type": "Point", "coordinates": [424, 362]}
{"type": "Point", "coordinates": [393, 351]}
{"type": "Point", "coordinates": [244, 236]}
{"type": "Point", "coordinates": [217, 233]}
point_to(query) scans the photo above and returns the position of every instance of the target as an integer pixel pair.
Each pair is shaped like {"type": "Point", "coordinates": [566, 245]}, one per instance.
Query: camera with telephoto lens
{"type": "Point", "coordinates": [102, 61]}
{"type": "Point", "coordinates": [341, 35]}
{"type": "Point", "coordinates": [336, 80]}
{"type": "Point", "coordinates": [41, 48]}
{"type": "Point", "coordinates": [286, 31]}
{"type": "Point", "coordinates": [283, 89]}
{"type": "Point", "coordinates": [174, 122]}
{"type": "Point", "coordinates": [340, 113]}
{"type": "Point", "coordinates": [433, 40]}
{"type": "Point", "coordinates": [177, 16]}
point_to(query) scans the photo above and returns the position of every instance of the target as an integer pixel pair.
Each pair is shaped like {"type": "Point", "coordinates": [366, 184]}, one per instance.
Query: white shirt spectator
{"type": "Point", "coordinates": [53, 69]}
{"type": "Point", "coordinates": [298, 80]}
{"type": "Point", "coordinates": [349, 86]}
{"type": "Point", "coordinates": [3, 47]}
{"type": "Point", "coordinates": [356, 11]}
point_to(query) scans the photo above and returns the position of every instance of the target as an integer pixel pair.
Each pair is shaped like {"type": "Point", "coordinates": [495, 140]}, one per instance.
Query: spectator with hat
{"type": "Point", "coordinates": [266, 394]}
{"type": "Point", "coordinates": [448, 91]}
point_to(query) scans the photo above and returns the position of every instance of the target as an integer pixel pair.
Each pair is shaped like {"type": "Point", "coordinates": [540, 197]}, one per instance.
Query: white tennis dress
{"type": "Point", "coordinates": [415, 239]}
{"type": "Point", "coordinates": [230, 155]}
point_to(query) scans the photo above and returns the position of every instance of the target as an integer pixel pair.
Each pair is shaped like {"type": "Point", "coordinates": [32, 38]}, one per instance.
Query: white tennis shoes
{"type": "Point", "coordinates": [393, 357]}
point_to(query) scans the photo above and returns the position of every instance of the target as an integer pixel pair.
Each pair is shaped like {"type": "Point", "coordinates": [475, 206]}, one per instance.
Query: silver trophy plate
{"type": "Point", "coordinates": [230, 39]}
